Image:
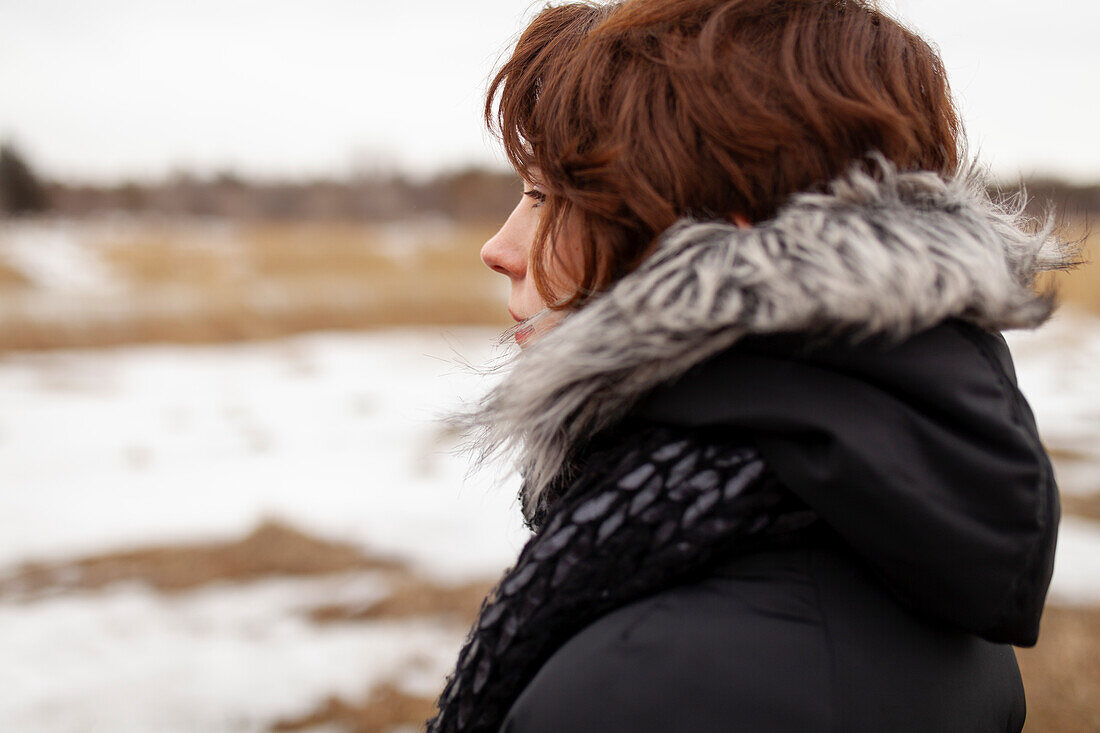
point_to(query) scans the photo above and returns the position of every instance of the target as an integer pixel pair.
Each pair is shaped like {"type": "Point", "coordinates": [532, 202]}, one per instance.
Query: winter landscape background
{"type": "Point", "coordinates": [240, 286]}
{"type": "Point", "coordinates": [208, 526]}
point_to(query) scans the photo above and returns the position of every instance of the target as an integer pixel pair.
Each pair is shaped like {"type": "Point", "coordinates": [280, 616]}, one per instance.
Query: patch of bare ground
{"type": "Point", "coordinates": [413, 597]}
{"type": "Point", "coordinates": [1082, 505]}
{"type": "Point", "coordinates": [271, 549]}
{"type": "Point", "coordinates": [183, 284]}
{"type": "Point", "coordinates": [248, 315]}
{"type": "Point", "coordinates": [277, 549]}
{"type": "Point", "coordinates": [1062, 673]}
{"type": "Point", "coordinates": [384, 709]}
{"type": "Point", "coordinates": [1058, 453]}
{"type": "Point", "coordinates": [186, 284]}
{"type": "Point", "coordinates": [1080, 287]}
{"type": "Point", "coordinates": [12, 278]}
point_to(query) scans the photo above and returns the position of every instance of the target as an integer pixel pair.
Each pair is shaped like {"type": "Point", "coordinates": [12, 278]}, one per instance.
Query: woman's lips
{"type": "Point", "coordinates": [523, 333]}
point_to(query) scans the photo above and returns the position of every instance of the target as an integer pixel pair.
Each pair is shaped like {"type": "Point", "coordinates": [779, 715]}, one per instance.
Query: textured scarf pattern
{"type": "Point", "coordinates": [645, 512]}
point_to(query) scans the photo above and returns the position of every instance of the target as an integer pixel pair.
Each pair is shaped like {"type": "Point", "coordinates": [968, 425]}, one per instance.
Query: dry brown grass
{"type": "Point", "coordinates": [274, 549]}
{"type": "Point", "coordinates": [1082, 505]}
{"type": "Point", "coordinates": [413, 597]}
{"type": "Point", "coordinates": [1080, 288]}
{"type": "Point", "coordinates": [219, 318]}
{"type": "Point", "coordinates": [385, 708]}
{"type": "Point", "coordinates": [159, 262]}
{"type": "Point", "coordinates": [188, 282]}
{"type": "Point", "coordinates": [1062, 673]}
{"type": "Point", "coordinates": [321, 249]}
{"type": "Point", "coordinates": [271, 549]}
{"type": "Point", "coordinates": [182, 252]}
{"type": "Point", "coordinates": [11, 278]}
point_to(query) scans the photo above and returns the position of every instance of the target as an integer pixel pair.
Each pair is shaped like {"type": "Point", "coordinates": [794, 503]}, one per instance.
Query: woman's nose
{"type": "Point", "coordinates": [504, 257]}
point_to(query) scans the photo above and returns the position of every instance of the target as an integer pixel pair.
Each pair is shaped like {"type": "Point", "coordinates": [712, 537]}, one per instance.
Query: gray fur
{"type": "Point", "coordinates": [885, 254]}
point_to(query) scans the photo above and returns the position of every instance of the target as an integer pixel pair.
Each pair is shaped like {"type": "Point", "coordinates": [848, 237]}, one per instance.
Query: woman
{"type": "Point", "coordinates": [775, 459]}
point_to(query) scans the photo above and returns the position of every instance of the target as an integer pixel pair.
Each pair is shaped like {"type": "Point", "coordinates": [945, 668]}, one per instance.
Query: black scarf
{"type": "Point", "coordinates": [648, 507]}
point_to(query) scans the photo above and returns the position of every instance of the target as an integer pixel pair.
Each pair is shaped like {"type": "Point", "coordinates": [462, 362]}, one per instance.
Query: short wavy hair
{"type": "Point", "coordinates": [630, 115]}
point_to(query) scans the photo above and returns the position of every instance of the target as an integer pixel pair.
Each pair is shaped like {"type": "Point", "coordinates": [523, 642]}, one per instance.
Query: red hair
{"type": "Point", "coordinates": [633, 114]}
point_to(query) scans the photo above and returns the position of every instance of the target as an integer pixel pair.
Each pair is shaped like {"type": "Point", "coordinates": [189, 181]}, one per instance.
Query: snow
{"type": "Point", "coordinates": [1077, 563]}
{"type": "Point", "coordinates": [335, 433]}
{"type": "Point", "coordinates": [231, 658]}
{"type": "Point", "coordinates": [53, 259]}
{"type": "Point", "coordinates": [1058, 368]}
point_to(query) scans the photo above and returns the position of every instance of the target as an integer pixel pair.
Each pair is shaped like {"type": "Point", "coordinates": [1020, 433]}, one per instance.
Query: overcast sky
{"type": "Point", "coordinates": [116, 89]}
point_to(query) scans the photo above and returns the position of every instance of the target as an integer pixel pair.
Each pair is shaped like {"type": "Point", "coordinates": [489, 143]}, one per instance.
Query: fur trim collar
{"type": "Point", "coordinates": [889, 253]}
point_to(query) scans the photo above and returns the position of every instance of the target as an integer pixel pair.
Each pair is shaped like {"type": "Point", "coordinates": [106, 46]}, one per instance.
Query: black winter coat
{"type": "Point", "coordinates": [924, 460]}
{"type": "Point", "coordinates": [853, 344]}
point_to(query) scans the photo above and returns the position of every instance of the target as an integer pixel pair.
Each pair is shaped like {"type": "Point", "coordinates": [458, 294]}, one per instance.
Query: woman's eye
{"type": "Point", "coordinates": [538, 196]}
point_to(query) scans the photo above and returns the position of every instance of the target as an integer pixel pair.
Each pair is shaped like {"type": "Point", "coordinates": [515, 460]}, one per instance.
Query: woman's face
{"type": "Point", "coordinates": [509, 253]}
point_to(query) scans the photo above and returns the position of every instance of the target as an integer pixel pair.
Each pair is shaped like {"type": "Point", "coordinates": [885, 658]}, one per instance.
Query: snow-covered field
{"type": "Point", "coordinates": [335, 434]}
{"type": "Point", "coordinates": [1058, 369]}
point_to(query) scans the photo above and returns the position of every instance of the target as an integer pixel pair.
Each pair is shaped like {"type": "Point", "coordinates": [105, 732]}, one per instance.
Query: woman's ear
{"type": "Point", "coordinates": [741, 221]}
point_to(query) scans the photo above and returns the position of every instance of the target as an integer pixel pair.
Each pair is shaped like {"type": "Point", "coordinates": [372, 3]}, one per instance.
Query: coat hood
{"type": "Point", "coordinates": [857, 319]}
{"type": "Point", "coordinates": [922, 455]}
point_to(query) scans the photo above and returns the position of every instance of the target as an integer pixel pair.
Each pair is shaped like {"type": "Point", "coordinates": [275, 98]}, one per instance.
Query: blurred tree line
{"type": "Point", "coordinates": [20, 191]}
{"type": "Point", "coordinates": [469, 195]}
{"type": "Point", "coordinates": [464, 195]}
